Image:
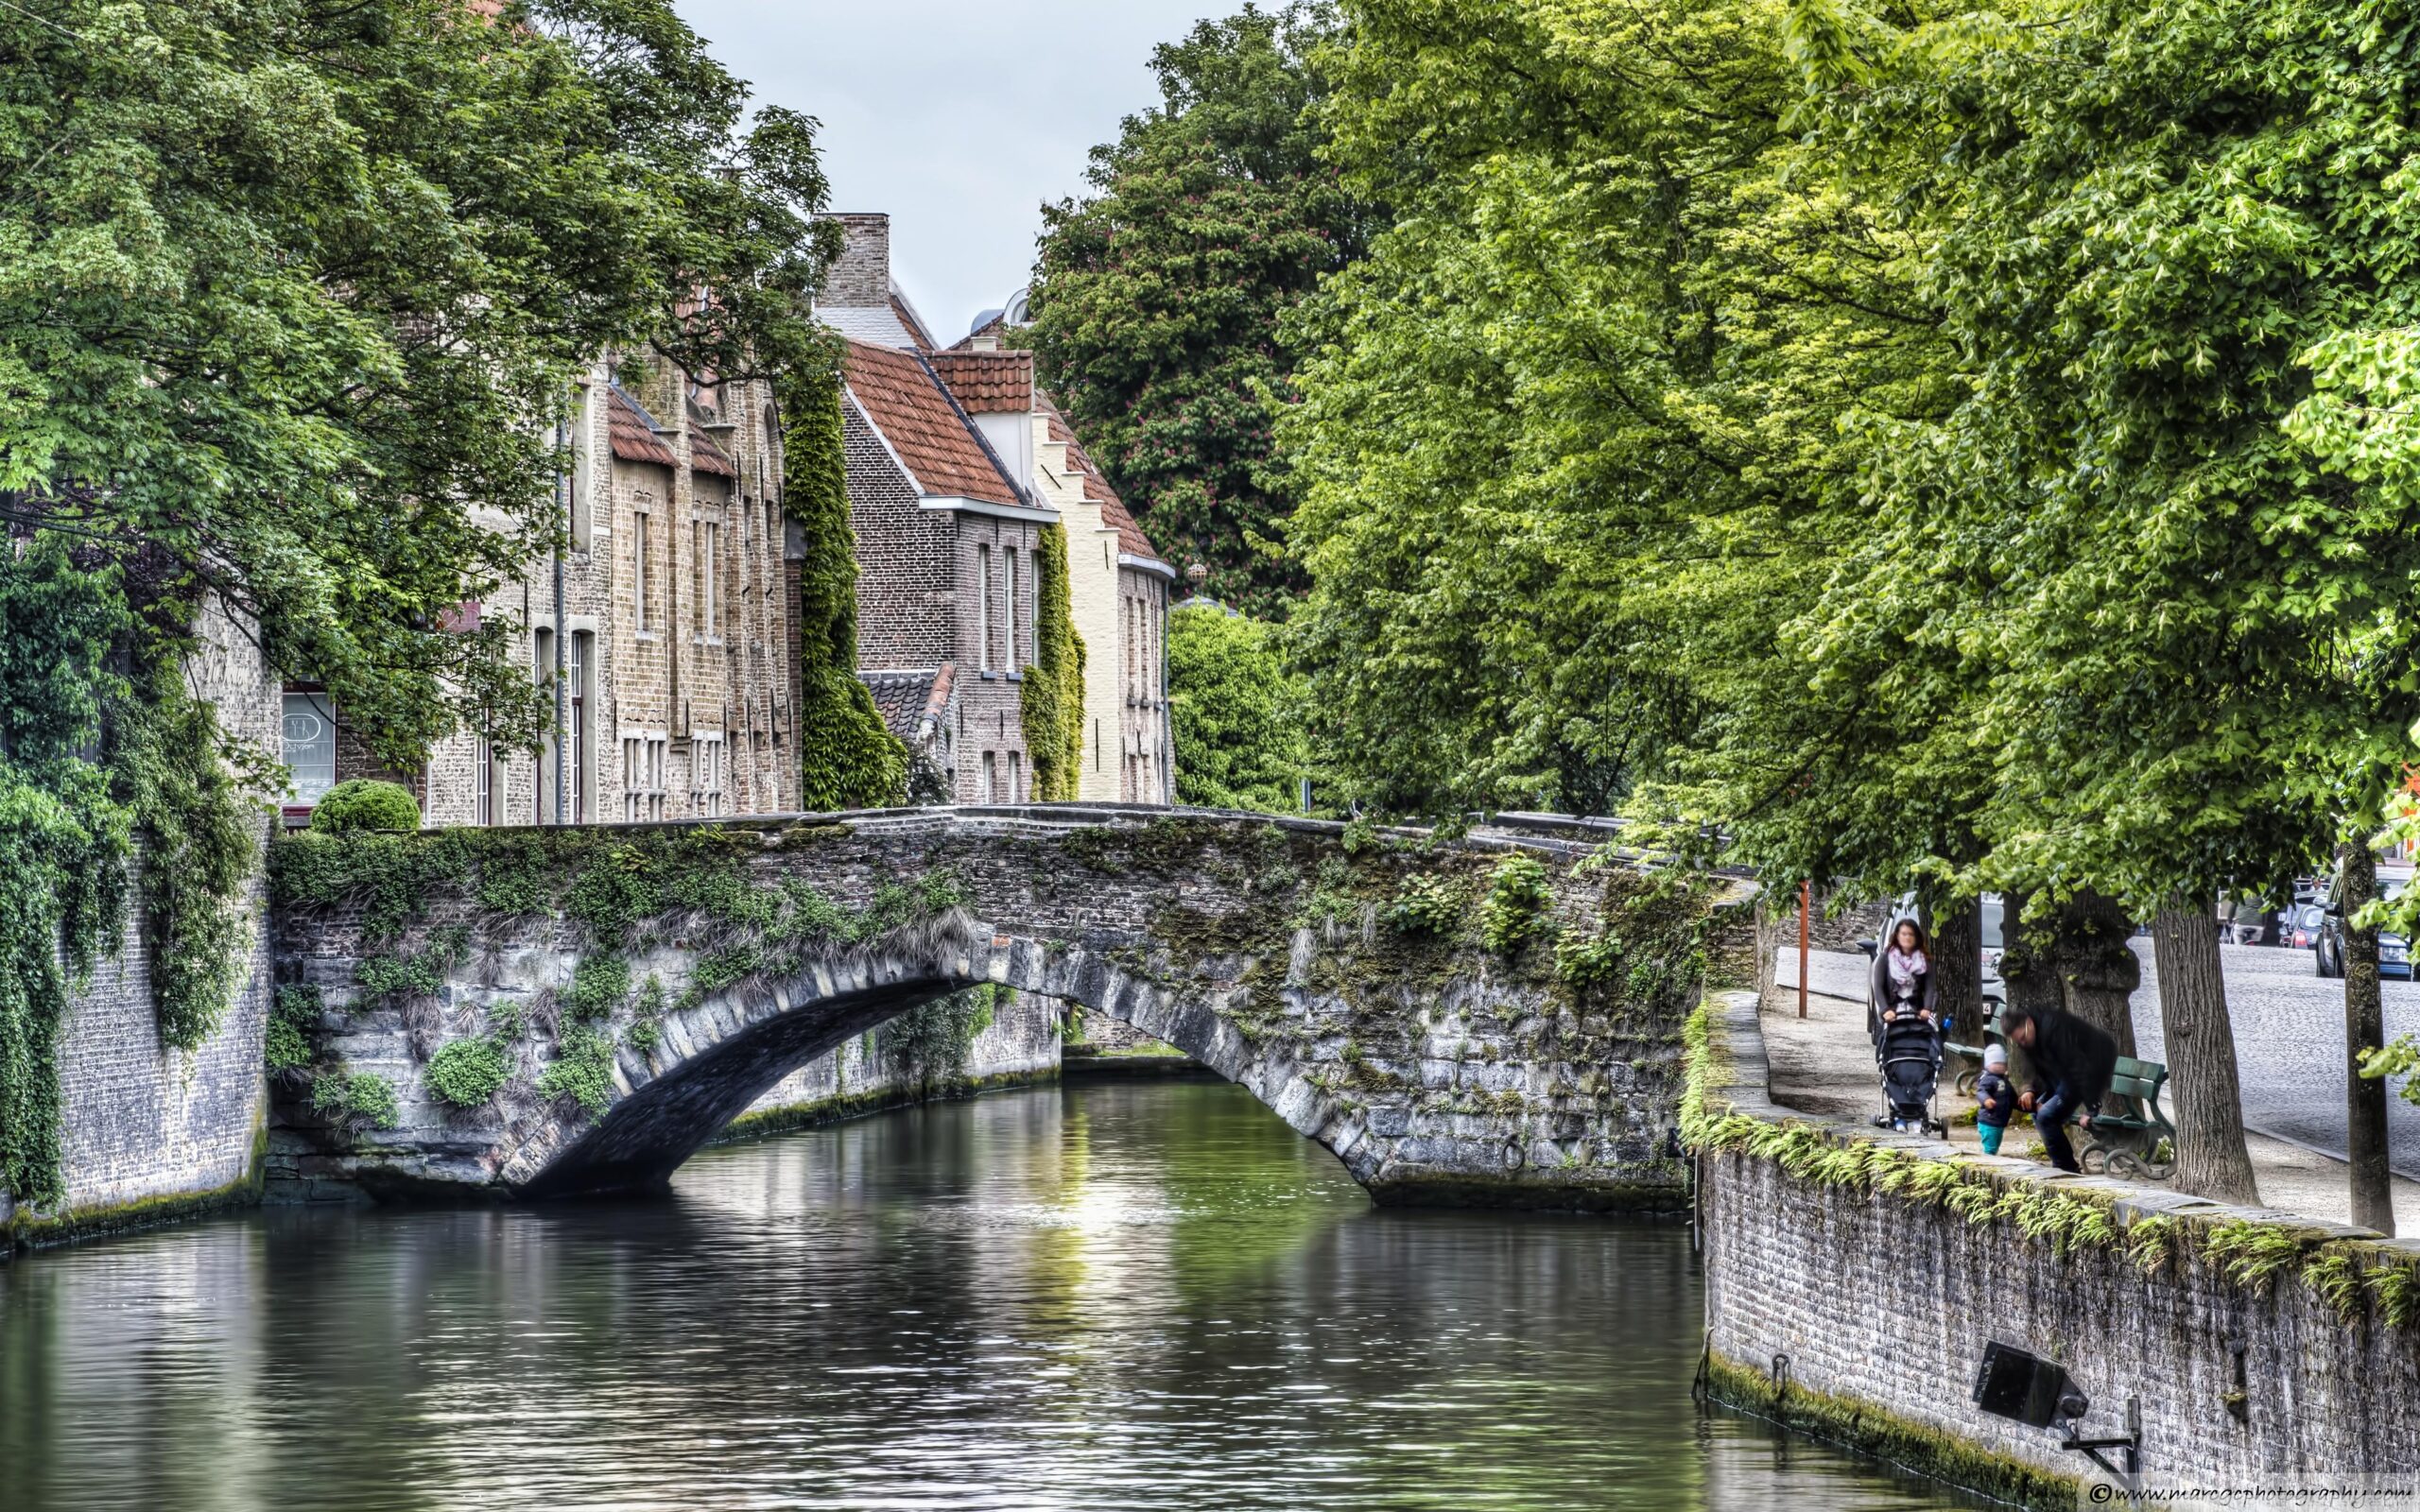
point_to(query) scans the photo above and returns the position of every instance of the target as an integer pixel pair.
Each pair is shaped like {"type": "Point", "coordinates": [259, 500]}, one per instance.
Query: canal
{"type": "Point", "coordinates": [1101, 1295]}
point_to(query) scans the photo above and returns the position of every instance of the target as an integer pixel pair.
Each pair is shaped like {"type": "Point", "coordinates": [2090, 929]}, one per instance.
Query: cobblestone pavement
{"type": "Point", "coordinates": [2289, 1038]}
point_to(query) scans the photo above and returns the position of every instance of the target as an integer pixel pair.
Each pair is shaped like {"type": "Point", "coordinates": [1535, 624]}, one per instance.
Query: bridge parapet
{"type": "Point", "coordinates": [1490, 1020]}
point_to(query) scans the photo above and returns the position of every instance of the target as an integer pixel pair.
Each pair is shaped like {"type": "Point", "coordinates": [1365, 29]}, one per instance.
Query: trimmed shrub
{"type": "Point", "coordinates": [363, 805]}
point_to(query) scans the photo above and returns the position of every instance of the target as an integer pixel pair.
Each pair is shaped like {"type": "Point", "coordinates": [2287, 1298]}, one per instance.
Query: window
{"type": "Point", "coordinates": [308, 744]}
{"type": "Point", "coordinates": [483, 780]}
{"type": "Point", "coordinates": [1016, 777]}
{"type": "Point", "coordinates": [583, 513]}
{"type": "Point", "coordinates": [638, 571]}
{"type": "Point", "coordinates": [576, 722]}
{"type": "Point", "coordinates": [643, 777]}
{"type": "Point", "coordinates": [1008, 608]}
{"type": "Point", "coordinates": [709, 624]}
{"type": "Point", "coordinates": [541, 791]}
{"type": "Point", "coordinates": [990, 792]}
{"type": "Point", "coordinates": [708, 764]}
{"type": "Point", "coordinates": [983, 616]}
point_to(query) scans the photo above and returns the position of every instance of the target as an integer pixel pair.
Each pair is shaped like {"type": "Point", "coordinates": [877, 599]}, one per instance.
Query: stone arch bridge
{"type": "Point", "coordinates": [673, 973]}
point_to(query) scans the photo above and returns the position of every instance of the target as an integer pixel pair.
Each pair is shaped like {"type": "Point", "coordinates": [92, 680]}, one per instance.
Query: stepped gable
{"type": "Point", "coordinates": [915, 417]}
{"type": "Point", "coordinates": [1114, 513]}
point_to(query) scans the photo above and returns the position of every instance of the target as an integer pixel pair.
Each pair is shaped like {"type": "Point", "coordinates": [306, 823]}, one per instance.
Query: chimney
{"type": "Point", "coordinates": [860, 277]}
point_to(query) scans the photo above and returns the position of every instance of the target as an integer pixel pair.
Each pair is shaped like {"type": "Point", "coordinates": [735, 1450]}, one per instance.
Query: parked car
{"type": "Point", "coordinates": [2395, 951]}
{"type": "Point", "coordinates": [2303, 927]}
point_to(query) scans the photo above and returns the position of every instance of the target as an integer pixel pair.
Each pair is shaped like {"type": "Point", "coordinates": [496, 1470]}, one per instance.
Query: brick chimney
{"type": "Point", "coordinates": [861, 276]}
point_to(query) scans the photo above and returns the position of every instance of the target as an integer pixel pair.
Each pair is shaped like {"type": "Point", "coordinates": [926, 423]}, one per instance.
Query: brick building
{"type": "Point", "coordinates": [945, 539]}
{"type": "Point", "coordinates": [673, 643]}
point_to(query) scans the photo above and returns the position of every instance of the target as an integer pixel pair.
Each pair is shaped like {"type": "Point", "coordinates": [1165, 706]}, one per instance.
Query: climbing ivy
{"type": "Point", "coordinates": [847, 758]}
{"type": "Point", "coordinates": [1053, 708]}
{"type": "Point", "coordinates": [63, 835]}
{"type": "Point", "coordinates": [200, 843]}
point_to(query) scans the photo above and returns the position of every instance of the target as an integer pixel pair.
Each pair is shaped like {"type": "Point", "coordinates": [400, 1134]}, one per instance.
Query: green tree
{"type": "Point", "coordinates": [1237, 715]}
{"type": "Point", "coordinates": [284, 286]}
{"type": "Point", "coordinates": [1157, 298]}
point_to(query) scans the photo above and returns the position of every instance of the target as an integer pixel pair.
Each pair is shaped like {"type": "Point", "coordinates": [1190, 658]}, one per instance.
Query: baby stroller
{"type": "Point", "coordinates": [1908, 1051]}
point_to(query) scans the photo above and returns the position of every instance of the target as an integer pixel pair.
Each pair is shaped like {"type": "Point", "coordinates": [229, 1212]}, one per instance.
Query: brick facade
{"type": "Point", "coordinates": [678, 697]}
{"type": "Point", "coordinates": [935, 437]}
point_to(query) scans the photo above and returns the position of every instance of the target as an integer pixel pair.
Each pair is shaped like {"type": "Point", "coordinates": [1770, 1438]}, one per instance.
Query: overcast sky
{"type": "Point", "coordinates": [960, 117]}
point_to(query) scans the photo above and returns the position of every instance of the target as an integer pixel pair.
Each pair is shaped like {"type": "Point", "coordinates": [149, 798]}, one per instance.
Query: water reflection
{"type": "Point", "coordinates": [1104, 1297]}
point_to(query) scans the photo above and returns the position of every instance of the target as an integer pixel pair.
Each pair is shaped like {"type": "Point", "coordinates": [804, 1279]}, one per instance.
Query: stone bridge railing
{"type": "Point", "coordinates": [537, 1011]}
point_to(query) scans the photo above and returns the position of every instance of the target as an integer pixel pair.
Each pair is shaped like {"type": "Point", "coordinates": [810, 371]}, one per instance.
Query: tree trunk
{"type": "Point", "coordinates": [2025, 972]}
{"type": "Point", "coordinates": [2211, 1160]}
{"type": "Point", "coordinates": [2364, 1029]}
{"type": "Point", "coordinates": [2095, 967]}
{"type": "Point", "coordinates": [1957, 957]}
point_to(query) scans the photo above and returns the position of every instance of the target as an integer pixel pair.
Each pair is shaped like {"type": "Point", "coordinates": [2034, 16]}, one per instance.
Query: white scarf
{"type": "Point", "coordinates": [1904, 971]}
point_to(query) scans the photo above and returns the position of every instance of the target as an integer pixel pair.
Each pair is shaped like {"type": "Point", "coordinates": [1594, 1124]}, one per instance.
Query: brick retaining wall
{"type": "Point", "coordinates": [1862, 1316]}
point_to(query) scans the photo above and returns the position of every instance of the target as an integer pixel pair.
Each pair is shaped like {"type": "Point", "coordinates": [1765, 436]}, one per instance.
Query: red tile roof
{"type": "Point", "coordinates": [988, 383]}
{"type": "Point", "coordinates": [1131, 539]}
{"type": "Point", "coordinates": [916, 417]}
{"type": "Point", "coordinates": [634, 431]}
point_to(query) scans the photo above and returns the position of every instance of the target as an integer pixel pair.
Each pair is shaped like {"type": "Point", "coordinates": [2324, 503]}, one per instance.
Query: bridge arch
{"type": "Point", "coordinates": [1344, 983]}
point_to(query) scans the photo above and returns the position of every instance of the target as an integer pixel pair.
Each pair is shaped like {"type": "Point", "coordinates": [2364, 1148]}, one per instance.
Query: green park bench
{"type": "Point", "coordinates": [2126, 1137]}
{"type": "Point", "coordinates": [2128, 1134]}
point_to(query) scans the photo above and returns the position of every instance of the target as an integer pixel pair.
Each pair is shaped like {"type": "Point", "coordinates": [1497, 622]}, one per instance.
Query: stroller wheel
{"type": "Point", "coordinates": [1936, 1129]}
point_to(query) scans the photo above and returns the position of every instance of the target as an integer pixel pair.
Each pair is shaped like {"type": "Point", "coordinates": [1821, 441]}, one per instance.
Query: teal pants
{"type": "Point", "coordinates": [1991, 1136]}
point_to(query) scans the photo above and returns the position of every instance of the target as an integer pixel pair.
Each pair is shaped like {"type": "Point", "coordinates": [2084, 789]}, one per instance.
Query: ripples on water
{"type": "Point", "coordinates": [1106, 1296]}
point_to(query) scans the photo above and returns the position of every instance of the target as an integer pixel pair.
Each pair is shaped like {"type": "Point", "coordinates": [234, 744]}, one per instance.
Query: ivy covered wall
{"type": "Point", "coordinates": [847, 758]}
{"type": "Point", "coordinates": [1053, 700]}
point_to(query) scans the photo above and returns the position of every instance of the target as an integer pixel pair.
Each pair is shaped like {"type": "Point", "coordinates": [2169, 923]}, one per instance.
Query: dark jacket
{"type": "Point", "coordinates": [2070, 1053]}
{"type": "Point", "coordinates": [1927, 983]}
{"type": "Point", "coordinates": [1994, 1100]}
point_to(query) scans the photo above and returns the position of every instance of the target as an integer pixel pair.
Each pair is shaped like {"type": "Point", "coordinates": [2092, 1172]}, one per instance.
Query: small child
{"type": "Point", "coordinates": [1995, 1098]}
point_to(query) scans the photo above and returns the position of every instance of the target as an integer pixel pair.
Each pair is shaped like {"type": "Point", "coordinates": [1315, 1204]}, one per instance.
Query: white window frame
{"type": "Point", "coordinates": [638, 571]}
{"type": "Point", "coordinates": [983, 608]}
{"type": "Point", "coordinates": [1009, 608]}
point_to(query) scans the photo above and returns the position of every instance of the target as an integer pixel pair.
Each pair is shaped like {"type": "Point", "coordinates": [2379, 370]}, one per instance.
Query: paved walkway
{"type": "Point", "coordinates": [1824, 1064]}
{"type": "Point", "coordinates": [2288, 1039]}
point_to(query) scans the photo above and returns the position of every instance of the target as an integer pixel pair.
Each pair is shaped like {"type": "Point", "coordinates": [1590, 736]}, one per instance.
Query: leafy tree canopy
{"type": "Point", "coordinates": [1157, 298]}
{"type": "Point", "coordinates": [285, 283]}
{"type": "Point", "coordinates": [1236, 713]}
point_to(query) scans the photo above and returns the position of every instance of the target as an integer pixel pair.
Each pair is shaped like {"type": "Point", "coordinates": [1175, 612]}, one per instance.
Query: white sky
{"type": "Point", "coordinates": [960, 117]}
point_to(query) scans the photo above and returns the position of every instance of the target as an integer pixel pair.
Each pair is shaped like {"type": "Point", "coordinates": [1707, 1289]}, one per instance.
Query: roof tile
{"type": "Point", "coordinates": [915, 417]}
{"type": "Point", "coordinates": [634, 431]}
{"type": "Point", "coordinates": [988, 383]}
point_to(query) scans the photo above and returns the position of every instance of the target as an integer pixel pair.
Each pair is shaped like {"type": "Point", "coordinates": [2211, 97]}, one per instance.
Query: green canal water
{"type": "Point", "coordinates": [1103, 1295]}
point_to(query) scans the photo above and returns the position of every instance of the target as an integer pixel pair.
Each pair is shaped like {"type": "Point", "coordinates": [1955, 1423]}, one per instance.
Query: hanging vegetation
{"type": "Point", "coordinates": [847, 758]}
{"type": "Point", "coordinates": [1053, 708]}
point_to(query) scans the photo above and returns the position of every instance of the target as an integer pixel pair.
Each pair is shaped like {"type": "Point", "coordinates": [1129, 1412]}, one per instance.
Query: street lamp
{"type": "Point", "coordinates": [2039, 1393]}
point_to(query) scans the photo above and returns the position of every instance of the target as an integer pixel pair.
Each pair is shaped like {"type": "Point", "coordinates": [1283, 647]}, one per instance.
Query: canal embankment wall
{"type": "Point", "coordinates": [1853, 1277]}
{"type": "Point", "coordinates": [149, 1132]}
{"type": "Point", "coordinates": [1019, 1046]}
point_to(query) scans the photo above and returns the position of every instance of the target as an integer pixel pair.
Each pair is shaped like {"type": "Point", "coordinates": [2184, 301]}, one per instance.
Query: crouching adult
{"type": "Point", "coordinates": [2073, 1063]}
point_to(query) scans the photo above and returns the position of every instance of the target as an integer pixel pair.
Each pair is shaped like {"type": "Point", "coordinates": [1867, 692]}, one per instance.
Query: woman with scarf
{"type": "Point", "coordinates": [1904, 983]}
